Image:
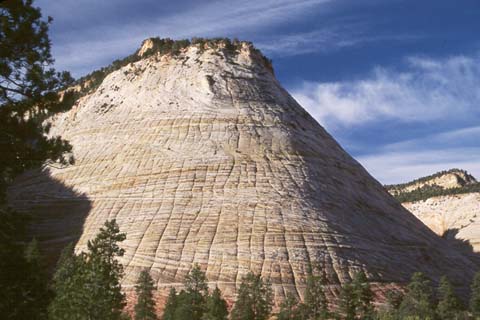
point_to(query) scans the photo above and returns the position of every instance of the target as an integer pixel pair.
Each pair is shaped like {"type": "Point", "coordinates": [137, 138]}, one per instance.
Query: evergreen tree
{"type": "Point", "coordinates": [475, 296]}
{"type": "Point", "coordinates": [363, 296]}
{"type": "Point", "coordinates": [347, 302]}
{"type": "Point", "coordinates": [389, 311]}
{"type": "Point", "coordinates": [28, 89]}
{"type": "Point", "coordinates": [449, 305]}
{"type": "Point", "coordinates": [315, 301]}
{"type": "Point", "coordinates": [68, 286]}
{"type": "Point", "coordinates": [418, 301]}
{"type": "Point", "coordinates": [145, 306]}
{"type": "Point", "coordinates": [255, 299]}
{"type": "Point", "coordinates": [290, 309]}
{"type": "Point", "coordinates": [37, 295]}
{"type": "Point", "coordinates": [170, 305]}
{"type": "Point", "coordinates": [394, 299]}
{"type": "Point", "coordinates": [216, 308]}
{"type": "Point", "coordinates": [192, 301]}
{"type": "Point", "coordinates": [103, 279]}
{"type": "Point", "coordinates": [184, 309]}
{"type": "Point", "coordinates": [87, 286]}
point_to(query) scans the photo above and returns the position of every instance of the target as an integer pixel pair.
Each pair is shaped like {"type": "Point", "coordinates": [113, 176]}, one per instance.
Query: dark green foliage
{"type": "Point", "coordinates": [171, 305]}
{"type": "Point", "coordinates": [363, 296]}
{"type": "Point", "coordinates": [68, 286]}
{"type": "Point", "coordinates": [145, 306]}
{"type": "Point", "coordinates": [290, 309]}
{"type": "Point", "coordinates": [28, 94]}
{"type": "Point", "coordinates": [255, 299]}
{"type": "Point", "coordinates": [426, 192]}
{"type": "Point", "coordinates": [28, 91]}
{"type": "Point", "coordinates": [196, 292]}
{"type": "Point", "coordinates": [390, 310]}
{"type": "Point", "coordinates": [38, 295]}
{"type": "Point", "coordinates": [475, 296]}
{"type": "Point", "coordinates": [347, 302]}
{"type": "Point", "coordinates": [429, 191]}
{"type": "Point", "coordinates": [191, 303]}
{"type": "Point", "coordinates": [425, 179]}
{"type": "Point", "coordinates": [449, 305]}
{"type": "Point", "coordinates": [87, 286]}
{"type": "Point", "coordinates": [418, 300]}
{"type": "Point", "coordinates": [394, 299]}
{"type": "Point", "coordinates": [315, 301]}
{"type": "Point", "coordinates": [216, 308]}
{"type": "Point", "coordinates": [23, 278]}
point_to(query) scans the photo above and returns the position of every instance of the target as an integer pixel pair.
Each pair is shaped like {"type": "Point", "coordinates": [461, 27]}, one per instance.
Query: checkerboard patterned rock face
{"type": "Point", "coordinates": [204, 158]}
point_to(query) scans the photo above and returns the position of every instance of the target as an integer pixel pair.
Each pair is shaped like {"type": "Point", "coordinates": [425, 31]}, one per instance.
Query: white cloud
{"type": "Point", "coordinates": [97, 43]}
{"type": "Point", "coordinates": [427, 89]}
{"type": "Point", "coordinates": [414, 158]}
{"type": "Point", "coordinates": [403, 166]}
{"type": "Point", "coordinates": [328, 39]}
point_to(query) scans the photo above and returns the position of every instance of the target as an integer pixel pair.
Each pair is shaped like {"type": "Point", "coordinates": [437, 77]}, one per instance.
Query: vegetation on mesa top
{"type": "Point", "coordinates": [424, 192]}
{"type": "Point", "coordinates": [166, 46]}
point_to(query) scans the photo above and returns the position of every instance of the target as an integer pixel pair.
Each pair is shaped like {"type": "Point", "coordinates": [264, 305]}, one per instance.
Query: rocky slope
{"type": "Point", "coordinates": [454, 178]}
{"type": "Point", "coordinates": [202, 157]}
{"type": "Point", "coordinates": [451, 208]}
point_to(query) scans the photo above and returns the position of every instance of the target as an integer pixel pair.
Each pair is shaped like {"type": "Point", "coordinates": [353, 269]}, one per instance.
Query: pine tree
{"type": "Point", "coordinates": [28, 87]}
{"type": "Point", "coordinates": [389, 311]}
{"type": "Point", "coordinates": [216, 308]}
{"type": "Point", "coordinates": [255, 299]}
{"type": "Point", "coordinates": [87, 286]}
{"type": "Point", "coordinates": [68, 286]}
{"type": "Point", "coordinates": [449, 305]}
{"type": "Point", "coordinates": [347, 301]}
{"type": "Point", "coordinates": [145, 306]}
{"type": "Point", "coordinates": [103, 279]}
{"type": "Point", "coordinates": [37, 294]}
{"type": "Point", "coordinates": [290, 309]}
{"type": "Point", "coordinates": [170, 305]}
{"type": "Point", "coordinates": [475, 296]}
{"type": "Point", "coordinates": [418, 301]}
{"type": "Point", "coordinates": [192, 301]}
{"type": "Point", "coordinates": [363, 296]}
{"type": "Point", "coordinates": [315, 301]}
{"type": "Point", "coordinates": [394, 299]}
{"type": "Point", "coordinates": [28, 91]}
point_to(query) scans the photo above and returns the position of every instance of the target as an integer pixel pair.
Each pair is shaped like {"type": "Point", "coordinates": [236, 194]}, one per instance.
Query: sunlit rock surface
{"type": "Point", "coordinates": [204, 158]}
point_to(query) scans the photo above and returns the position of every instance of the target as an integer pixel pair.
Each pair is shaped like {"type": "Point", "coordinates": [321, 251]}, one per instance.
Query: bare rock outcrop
{"type": "Point", "coordinates": [447, 202]}
{"type": "Point", "coordinates": [204, 158]}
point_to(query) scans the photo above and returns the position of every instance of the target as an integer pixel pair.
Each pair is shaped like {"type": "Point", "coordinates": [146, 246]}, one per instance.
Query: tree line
{"type": "Point", "coordinates": [429, 191]}
{"type": "Point", "coordinates": [86, 285]}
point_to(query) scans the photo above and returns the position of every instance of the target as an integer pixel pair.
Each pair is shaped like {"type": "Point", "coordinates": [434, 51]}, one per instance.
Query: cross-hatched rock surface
{"type": "Point", "coordinates": [204, 158]}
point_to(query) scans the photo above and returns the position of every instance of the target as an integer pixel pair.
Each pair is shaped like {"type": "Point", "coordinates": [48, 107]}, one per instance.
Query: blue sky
{"type": "Point", "coordinates": [396, 82]}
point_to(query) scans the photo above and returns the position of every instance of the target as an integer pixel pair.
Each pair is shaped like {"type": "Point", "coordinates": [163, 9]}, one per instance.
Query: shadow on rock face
{"type": "Point", "coordinates": [56, 213]}
{"type": "Point", "coordinates": [462, 245]}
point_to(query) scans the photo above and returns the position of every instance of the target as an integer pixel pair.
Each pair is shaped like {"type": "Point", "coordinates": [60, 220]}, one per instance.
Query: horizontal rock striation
{"type": "Point", "coordinates": [204, 158]}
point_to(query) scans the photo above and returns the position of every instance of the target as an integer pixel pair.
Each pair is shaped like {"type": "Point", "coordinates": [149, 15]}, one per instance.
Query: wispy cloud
{"type": "Point", "coordinates": [414, 158]}
{"type": "Point", "coordinates": [403, 166]}
{"type": "Point", "coordinates": [326, 40]}
{"type": "Point", "coordinates": [98, 43]}
{"type": "Point", "coordinates": [434, 93]}
{"type": "Point", "coordinates": [427, 89]}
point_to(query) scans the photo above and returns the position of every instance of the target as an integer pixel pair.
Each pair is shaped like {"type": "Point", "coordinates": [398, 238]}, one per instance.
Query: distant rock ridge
{"type": "Point", "coordinates": [453, 178]}
{"type": "Point", "coordinates": [448, 202]}
{"type": "Point", "coordinates": [202, 157]}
